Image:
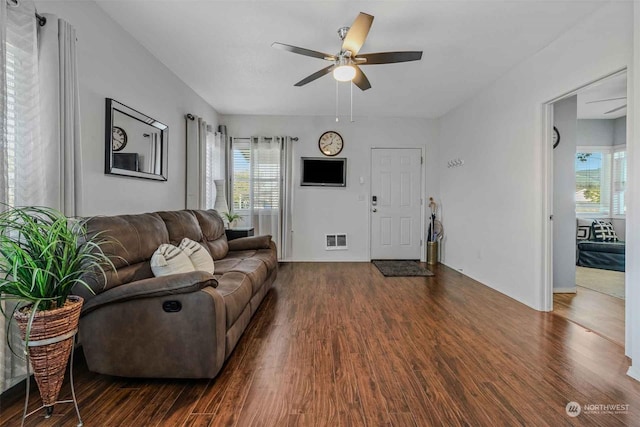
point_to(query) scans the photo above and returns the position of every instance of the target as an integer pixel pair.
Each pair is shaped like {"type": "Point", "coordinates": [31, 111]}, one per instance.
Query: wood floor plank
{"type": "Point", "coordinates": [338, 344]}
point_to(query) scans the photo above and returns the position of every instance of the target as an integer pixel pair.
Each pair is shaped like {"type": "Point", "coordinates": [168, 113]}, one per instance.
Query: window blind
{"type": "Point", "coordinates": [241, 176]}
{"type": "Point", "coordinates": [619, 182]}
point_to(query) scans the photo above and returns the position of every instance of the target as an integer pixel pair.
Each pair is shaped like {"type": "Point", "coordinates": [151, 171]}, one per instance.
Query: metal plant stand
{"type": "Point", "coordinates": [49, 409]}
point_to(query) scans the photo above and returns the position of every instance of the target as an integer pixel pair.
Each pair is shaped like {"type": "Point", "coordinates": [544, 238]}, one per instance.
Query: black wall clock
{"type": "Point", "coordinates": [118, 138]}
{"type": "Point", "coordinates": [556, 137]}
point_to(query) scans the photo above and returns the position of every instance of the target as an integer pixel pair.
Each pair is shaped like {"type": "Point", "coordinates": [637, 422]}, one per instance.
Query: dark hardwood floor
{"type": "Point", "coordinates": [338, 344]}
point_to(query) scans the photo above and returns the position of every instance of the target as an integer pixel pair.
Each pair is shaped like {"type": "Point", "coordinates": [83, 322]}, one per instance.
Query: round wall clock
{"type": "Point", "coordinates": [330, 143]}
{"type": "Point", "coordinates": [118, 139]}
{"type": "Point", "coordinates": [556, 137]}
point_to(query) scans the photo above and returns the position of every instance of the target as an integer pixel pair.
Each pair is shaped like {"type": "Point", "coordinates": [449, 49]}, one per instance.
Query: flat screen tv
{"type": "Point", "coordinates": [321, 172]}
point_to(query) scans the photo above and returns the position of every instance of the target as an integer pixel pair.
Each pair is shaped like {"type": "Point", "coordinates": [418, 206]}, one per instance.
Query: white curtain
{"type": "Point", "coordinates": [214, 169]}
{"type": "Point", "coordinates": [40, 156]}
{"type": "Point", "coordinates": [21, 153]}
{"type": "Point", "coordinates": [272, 190]}
{"type": "Point", "coordinates": [60, 116]}
{"type": "Point", "coordinates": [199, 134]}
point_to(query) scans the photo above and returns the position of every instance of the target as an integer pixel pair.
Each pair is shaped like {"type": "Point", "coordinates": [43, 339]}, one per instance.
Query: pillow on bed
{"type": "Point", "coordinates": [603, 231]}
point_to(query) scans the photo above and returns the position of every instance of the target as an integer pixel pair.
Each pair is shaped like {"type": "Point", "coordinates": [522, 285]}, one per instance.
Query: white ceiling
{"type": "Point", "coordinates": [222, 50]}
{"type": "Point", "coordinates": [597, 100]}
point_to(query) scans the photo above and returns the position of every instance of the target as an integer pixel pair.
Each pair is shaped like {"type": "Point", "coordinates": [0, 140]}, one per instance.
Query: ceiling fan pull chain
{"type": "Point", "coordinates": [337, 119]}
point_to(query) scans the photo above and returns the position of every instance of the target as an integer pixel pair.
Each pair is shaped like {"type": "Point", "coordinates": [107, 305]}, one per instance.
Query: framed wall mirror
{"type": "Point", "coordinates": [135, 144]}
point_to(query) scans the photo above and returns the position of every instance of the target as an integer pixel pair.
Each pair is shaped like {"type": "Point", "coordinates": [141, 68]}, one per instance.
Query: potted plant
{"type": "Point", "coordinates": [43, 255]}
{"type": "Point", "coordinates": [232, 218]}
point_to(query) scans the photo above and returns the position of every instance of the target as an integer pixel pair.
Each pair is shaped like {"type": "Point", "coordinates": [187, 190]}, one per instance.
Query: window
{"type": "Point", "coordinates": [255, 179]}
{"type": "Point", "coordinates": [619, 182]}
{"type": "Point", "coordinates": [241, 178]}
{"type": "Point", "coordinates": [11, 69]}
{"type": "Point", "coordinates": [600, 181]}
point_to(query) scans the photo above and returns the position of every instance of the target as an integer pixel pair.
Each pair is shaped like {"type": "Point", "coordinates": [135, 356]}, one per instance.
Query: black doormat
{"type": "Point", "coordinates": [400, 268]}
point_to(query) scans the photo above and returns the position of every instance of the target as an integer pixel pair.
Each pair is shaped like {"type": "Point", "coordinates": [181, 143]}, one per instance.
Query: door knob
{"type": "Point", "coordinates": [374, 210]}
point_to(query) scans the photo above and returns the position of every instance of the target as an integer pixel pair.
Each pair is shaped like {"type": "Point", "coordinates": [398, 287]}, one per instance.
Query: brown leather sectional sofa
{"type": "Point", "coordinates": [178, 326]}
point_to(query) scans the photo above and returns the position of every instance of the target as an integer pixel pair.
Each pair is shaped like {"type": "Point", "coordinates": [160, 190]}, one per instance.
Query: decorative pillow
{"type": "Point", "coordinates": [583, 232]}
{"type": "Point", "coordinates": [198, 255]}
{"type": "Point", "coordinates": [603, 231]}
{"type": "Point", "coordinates": [168, 259]}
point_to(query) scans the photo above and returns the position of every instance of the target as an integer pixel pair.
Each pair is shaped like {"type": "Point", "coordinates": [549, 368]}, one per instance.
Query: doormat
{"type": "Point", "coordinates": [401, 268]}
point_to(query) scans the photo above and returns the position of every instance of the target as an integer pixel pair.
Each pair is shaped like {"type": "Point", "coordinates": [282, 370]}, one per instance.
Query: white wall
{"type": "Point", "coordinates": [495, 203]}
{"type": "Point", "coordinates": [564, 189]}
{"type": "Point", "coordinates": [595, 132]}
{"type": "Point", "coordinates": [112, 64]}
{"type": "Point", "coordinates": [320, 211]}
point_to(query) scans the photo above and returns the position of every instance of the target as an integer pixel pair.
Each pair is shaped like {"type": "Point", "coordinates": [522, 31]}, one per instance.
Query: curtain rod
{"type": "Point", "coordinates": [293, 138]}
{"type": "Point", "coordinates": [41, 19]}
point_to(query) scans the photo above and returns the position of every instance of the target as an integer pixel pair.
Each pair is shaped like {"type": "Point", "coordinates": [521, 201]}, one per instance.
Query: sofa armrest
{"type": "Point", "coordinates": [252, 242]}
{"type": "Point", "coordinates": [153, 287]}
{"type": "Point", "coordinates": [133, 334]}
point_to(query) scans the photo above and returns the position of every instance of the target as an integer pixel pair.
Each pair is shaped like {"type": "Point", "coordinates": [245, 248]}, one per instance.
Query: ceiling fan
{"type": "Point", "coordinates": [610, 99]}
{"type": "Point", "coordinates": [346, 64]}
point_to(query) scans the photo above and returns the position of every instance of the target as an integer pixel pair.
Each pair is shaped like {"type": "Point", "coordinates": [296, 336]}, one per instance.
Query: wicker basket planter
{"type": "Point", "coordinates": [49, 361]}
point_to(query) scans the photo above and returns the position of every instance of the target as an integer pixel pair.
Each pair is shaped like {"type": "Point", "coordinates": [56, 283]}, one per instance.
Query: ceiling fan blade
{"type": "Point", "coordinates": [357, 33]}
{"type": "Point", "coordinates": [616, 109]}
{"type": "Point", "coordinates": [608, 99]}
{"type": "Point", "coordinates": [360, 79]}
{"type": "Point", "coordinates": [389, 57]}
{"type": "Point", "coordinates": [315, 75]}
{"type": "Point", "coordinates": [303, 51]}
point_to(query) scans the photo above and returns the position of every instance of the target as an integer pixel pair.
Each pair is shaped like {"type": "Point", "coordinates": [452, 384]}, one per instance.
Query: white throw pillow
{"type": "Point", "coordinates": [199, 256]}
{"type": "Point", "coordinates": [169, 259]}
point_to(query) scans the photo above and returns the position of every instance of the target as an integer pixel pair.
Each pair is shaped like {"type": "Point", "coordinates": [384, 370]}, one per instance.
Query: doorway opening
{"type": "Point", "coordinates": [589, 189]}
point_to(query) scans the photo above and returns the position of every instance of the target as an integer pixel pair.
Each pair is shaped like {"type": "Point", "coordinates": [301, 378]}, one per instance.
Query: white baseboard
{"type": "Point", "coordinates": [634, 372]}
{"type": "Point", "coordinates": [571, 290]}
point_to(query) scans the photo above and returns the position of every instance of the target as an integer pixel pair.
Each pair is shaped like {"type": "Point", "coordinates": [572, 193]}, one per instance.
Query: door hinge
{"type": "Point", "coordinates": [421, 159]}
{"type": "Point", "coordinates": [420, 242]}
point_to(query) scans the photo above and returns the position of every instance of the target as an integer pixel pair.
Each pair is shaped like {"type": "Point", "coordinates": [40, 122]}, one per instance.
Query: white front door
{"type": "Point", "coordinates": [395, 203]}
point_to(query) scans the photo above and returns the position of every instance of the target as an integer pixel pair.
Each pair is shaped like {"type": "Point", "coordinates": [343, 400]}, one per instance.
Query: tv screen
{"type": "Point", "coordinates": [128, 161]}
{"type": "Point", "coordinates": [322, 172]}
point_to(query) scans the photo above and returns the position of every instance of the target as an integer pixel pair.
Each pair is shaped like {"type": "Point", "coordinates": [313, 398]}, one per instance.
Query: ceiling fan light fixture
{"type": "Point", "coordinates": [344, 73]}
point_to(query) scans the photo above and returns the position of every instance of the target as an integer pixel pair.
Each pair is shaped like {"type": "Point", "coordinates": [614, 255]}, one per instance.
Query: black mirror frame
{"type": "Point", "coordinates": [109, 169]}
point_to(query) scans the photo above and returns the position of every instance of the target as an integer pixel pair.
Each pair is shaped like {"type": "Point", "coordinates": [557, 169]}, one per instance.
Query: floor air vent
{"type": "Point", "coordinates": [335, 242]}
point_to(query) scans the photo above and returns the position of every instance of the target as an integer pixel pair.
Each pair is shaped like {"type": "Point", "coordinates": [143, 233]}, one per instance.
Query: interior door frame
{"type": "Point", "coordinates": [547, 197]}
{"type": "Point", "coordinates": [423, 186]}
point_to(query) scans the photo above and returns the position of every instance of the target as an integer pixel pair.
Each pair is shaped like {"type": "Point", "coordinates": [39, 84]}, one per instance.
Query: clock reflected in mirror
{"type": "Point", "coordinates": [119, 138]}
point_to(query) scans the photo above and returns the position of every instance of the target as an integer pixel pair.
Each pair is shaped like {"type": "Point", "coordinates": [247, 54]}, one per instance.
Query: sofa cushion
{"type": "Point", "coordinates": [227, 264]}
{"type": "Point", "coordinates": [603, 231]}
{"type": "Point", "coordinates": [610, 247]}
{"type": "Point", "coordinates": [181, 224]}
{"type": "Point", "coordinates": [169, 259]}
{"type": "Point", "coordinates": [252, 242]}
{"type": "Point", "coordinates": [134, 237]}
{"type": "Point", "coordinates": [214, 237]}
{"type": "Point", "coordinates": [198, 255]}
{"type": "Point", "coordinates": [254, 269]}
{"type": "Point", "coordinates": [236, 290]}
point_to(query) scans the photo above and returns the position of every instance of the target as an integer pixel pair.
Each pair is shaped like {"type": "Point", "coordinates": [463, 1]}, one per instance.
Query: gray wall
{"type": "Point", "coordinates": [564, 188]}
{"type": "Point", "coordinates": [595, 132]}
{"type": "Point", "coordinates": [112, 64]}
{"type": "Point", "coordinates": [319, 211]}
